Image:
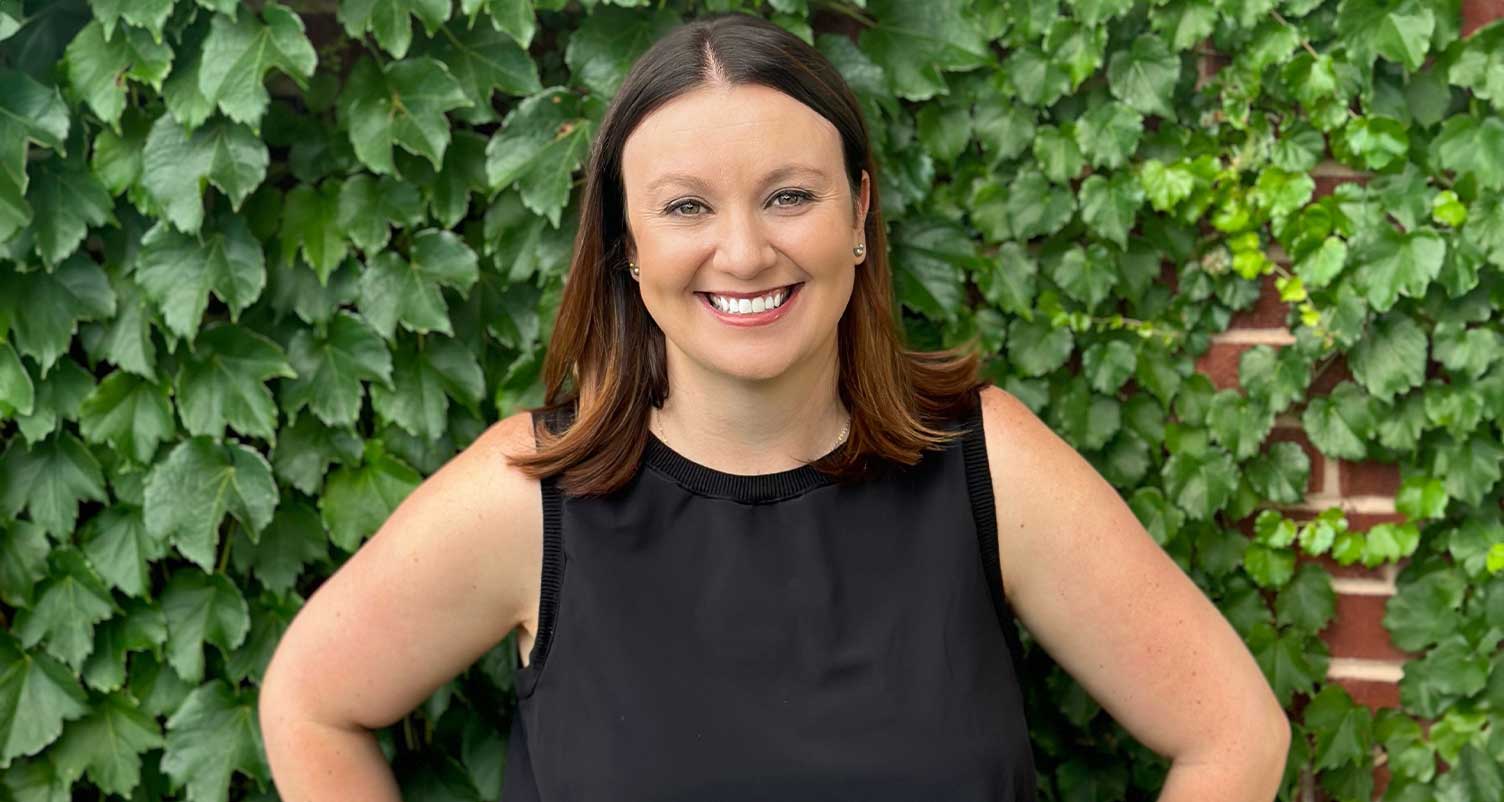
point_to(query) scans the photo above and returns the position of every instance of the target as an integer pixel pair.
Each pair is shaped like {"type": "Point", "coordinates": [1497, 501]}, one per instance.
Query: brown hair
{"type": "Point", "coordinates": [605, 341]}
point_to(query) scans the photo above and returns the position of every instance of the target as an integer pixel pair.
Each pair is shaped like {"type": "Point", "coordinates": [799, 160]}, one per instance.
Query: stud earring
{"type": "Point", "coordinates": [859, 249]}
{"type": "Point", "coordinates": [632, 266]}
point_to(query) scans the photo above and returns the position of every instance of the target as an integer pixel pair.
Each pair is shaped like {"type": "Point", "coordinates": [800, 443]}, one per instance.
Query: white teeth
{"type": "Point", "coordinates": [745, 306]}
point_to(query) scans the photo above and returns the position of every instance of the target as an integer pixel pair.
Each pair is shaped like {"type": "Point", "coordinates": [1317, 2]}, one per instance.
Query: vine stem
{"type": "Point", "coordinates": [843, 8]}
{"type": "Point", "coordinates": [1303, 41]}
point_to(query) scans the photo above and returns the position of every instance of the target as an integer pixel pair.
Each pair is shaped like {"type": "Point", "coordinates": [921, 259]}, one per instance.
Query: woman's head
{"type": "Point", "coordinates": [733, 158]}
{"type": "Point", "coordinates": [739, 191]}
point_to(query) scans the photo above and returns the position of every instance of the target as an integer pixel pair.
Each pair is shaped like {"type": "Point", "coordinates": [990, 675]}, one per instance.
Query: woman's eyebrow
{"type": "Point", "coordinates": [775, 174]}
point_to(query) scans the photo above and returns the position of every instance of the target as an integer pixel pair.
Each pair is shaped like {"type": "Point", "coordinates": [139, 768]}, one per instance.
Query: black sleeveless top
{"type": "Point", "coordinates": [713, 637]}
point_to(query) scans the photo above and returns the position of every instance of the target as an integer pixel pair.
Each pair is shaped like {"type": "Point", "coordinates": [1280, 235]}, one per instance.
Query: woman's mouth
{"type": "Point", "coordinates": [789, 295]}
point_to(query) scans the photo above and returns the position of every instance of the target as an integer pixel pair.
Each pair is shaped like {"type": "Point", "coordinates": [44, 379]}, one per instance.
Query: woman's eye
{"type": "Point", "coordinates": [681, 204]}
{"type": "Point", "coordinates": [795, 194]}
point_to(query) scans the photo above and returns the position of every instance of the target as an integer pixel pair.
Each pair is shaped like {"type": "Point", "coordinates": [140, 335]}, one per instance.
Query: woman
{"type": "Point", "coordinates": [758, 549]}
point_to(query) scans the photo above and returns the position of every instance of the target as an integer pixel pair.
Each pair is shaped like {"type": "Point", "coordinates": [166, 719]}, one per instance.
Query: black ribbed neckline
{"type": "Point", "coordinates": [746, 488]}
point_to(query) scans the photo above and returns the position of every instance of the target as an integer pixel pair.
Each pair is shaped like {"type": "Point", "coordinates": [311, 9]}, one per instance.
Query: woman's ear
{"type": "Point", "coordinates": [863, 200]}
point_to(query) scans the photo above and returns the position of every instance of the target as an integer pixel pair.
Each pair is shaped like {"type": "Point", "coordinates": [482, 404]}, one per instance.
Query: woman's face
{"type": "Point", "coordinates": [742, 192]}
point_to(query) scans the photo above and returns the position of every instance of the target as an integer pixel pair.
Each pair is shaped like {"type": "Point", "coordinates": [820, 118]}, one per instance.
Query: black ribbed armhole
{"type": "Point", "coordinates": [553, 564]}
{"type": "Point", "coordinates": [984, 510]}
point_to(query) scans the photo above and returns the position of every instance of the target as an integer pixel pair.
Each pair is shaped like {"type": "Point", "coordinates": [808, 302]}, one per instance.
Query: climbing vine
{"type": "Point", "coordinates": [265, 266]}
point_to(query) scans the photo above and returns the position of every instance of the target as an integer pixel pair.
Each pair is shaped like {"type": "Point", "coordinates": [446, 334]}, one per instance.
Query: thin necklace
{"type": "Point", "coordinates": [845, 430]}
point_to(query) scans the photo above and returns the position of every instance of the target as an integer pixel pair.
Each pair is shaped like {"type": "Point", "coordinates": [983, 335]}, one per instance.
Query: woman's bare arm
{"type": "Point", "coordinates": [446, 577]}
{"type": "Point", "coordinates": [1121, 617]}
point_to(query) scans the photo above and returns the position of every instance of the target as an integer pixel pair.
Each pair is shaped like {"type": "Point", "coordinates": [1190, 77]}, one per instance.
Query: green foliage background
{"type": "Point", "coordinates": [253, 289]}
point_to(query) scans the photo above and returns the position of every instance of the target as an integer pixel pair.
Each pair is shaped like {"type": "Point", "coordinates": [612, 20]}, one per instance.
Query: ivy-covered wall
{"type": "Point", "coordinates": [265, 266]}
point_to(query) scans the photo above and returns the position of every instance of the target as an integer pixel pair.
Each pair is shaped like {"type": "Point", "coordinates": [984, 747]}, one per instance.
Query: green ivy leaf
{"type": "Point", "coordinates": [68, 606]}
{"type": "Point", "coordinates": [917, 44]}
{"type": "Point", "coordinates": [930, 261]}
{"type": "Point", "coordinates": [1185, 22]}
{"type": "Point", "coordinates": [1200, 482]}
{"type": "Point", "coordinates": [1109, 133]}
{"type": "Point", "coordinates": [515, 17]}
{"type": "Point", "coordinates": [1086, 275]}
{"type": "Point", "coordinates": [29, 112]}
{"type": "Point", "coordinates": [1308, 601]}
{"type": "Point", "coordinates": [1466, 353]}
{"type": "Point", "coordinates": [177, 272]}
{"type": "Point", "coordinates": [1036, 348]}
{"type": "Point", "coordinates": [1036, 207]}
{"type": "Point", "coordinates": [239, 52]}
{"type": "Point", "coordinates": [1057, 153]}
{"type": "Point", "coordinates": [294, 538]}
{"type": "Point", "coordinates": [1446, 675]}
{"type": "Point", "coordinates": [1425, 610]}
{"type": "Point", "coordinates": [305, 450]}
{"type": "Point", "coordinates": [1399, 30]}
{"type": "Point", "coordinates": [189, 493]}
{"type": "Point", "coordinates": [425, 378]}
{"type": "Point", "coordinates": [393, 290]}
{"type": "Point", "coordinates": [1470, 146]}
{"type": "Point", "coordinates": [538, 147]}
{"type": "Point", "coordinates": [1477, 775]}
{"type": "Point", "coordinates": [1318, 268]}
{"type": "Point", "coordinates": [1375, 142]}
{"type": "Point", "coordinates": [66, 199]}
{"type": "Point", "coordinates": [49, 481]}
{"type": "Point", "coordinates": [37, 694]}
{"type": "Point", "coordinates": [1277, 378]}
{"type": "Point", "coordinates": [120, 549]}
{"type": "Point", "coordinates": [108, 744]}
{"type": "Point", "coordinates": [1109, 206]}
{"type": "Point", "coordinates": [1469, 466]}
{"type": "Point", "coordinates": [357, 500]}
{"type": "Point", "coordinates": [1421, 497]}
{"type": "Point", "coordinates": [1035, 78]}
{"type": "Point", "coordinates": [97, 67]}
{"type": "Point", "coordinates": [1344, 729]}
{"type": "Point", "coordinates": [1269, 568]}
{"type": "Point", "coordinates": [17, 392]}
{"type": "Point", "coordinates": [369, 206]}
{"type": "Point", "coordinates": [1107, 365]}
{"type": "Point", "coordinates": [176, 165]}
{"type": "Point", "coordinates": [221, 383]}
{"type": "Point", "coordinates": [391, 20]}
{"type": "Point", "coordinates": [1293, 662]}
{"type": "Point", "coordinates": [1340, 423]}
{"type": "Point", "coordinates": [401, 104]}
{"type": "Point", "coordinates": [1281, 473]}
{"type": "Point", "coordinates": [1160, 518]}
{"type": "Point", "coordinates": [1004, 130]}
{"type": "Point", "coordinates": [1144, 76]}
{"type": "Point", "coordinates": [1391, 358]}
{"type": "Point", "coordinates": [608, 40]}
{"type": "Point", "coordinates": [484, 59]}
{"type": "Point", "coordinates": [133, 415]}
{"type": "Point", "coordinates": [214, 733]}
{"type": "Point", "coordinates": [55, 303]}
{"type": "Point", "coordinates": [310, 224]}
{"type": "Point", "coordinates": [58, 398]}
{"type": "Point", "coordinates": [330, 366]}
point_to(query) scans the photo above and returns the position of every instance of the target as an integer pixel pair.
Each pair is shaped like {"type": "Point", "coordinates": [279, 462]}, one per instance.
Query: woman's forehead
{"type": "Point", "coordinates": [714, 129]}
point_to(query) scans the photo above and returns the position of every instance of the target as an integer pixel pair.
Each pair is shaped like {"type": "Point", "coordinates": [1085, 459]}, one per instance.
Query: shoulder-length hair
{"type": "Point", "coordinates": [606, 355]}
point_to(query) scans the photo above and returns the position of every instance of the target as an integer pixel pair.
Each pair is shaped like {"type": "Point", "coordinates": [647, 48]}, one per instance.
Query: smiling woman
{"type": "Point", "coordinates": [756, 547]}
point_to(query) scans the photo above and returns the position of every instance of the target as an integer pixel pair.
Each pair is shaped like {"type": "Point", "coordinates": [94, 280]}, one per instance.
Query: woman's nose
{"type": "Point", "coordinates": [743, 248]}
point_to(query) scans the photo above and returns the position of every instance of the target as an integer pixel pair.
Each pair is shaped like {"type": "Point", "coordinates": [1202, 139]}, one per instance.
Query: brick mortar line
{"type": "Point", "coordinates": [1356, 586]}
{"type": "Point", "coordinates": [1254, 337]}
{"type": "Point", "coordinates": [1364, 505]}
{"type": "Point", "coordinates": [1366, 670]}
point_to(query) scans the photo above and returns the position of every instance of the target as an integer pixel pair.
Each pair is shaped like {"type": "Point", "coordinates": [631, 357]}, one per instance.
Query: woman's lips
{"type": "Point", "coordinates": [754, 318]}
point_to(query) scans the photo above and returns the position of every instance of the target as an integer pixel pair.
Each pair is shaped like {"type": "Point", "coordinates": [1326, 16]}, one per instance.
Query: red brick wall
{"type": "Point", "coordinates": [1364, 660]}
